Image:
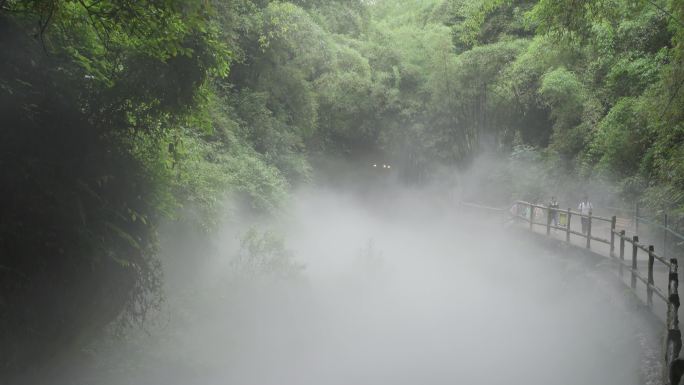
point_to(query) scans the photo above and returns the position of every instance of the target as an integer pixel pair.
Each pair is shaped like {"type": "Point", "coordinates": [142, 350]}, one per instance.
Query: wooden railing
{"type": "Point", "coordinates": [673, 367]}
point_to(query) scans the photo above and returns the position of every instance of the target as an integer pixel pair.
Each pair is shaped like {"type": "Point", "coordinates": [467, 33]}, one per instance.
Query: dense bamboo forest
{"type": "Point", "coordinates": [120, 116]}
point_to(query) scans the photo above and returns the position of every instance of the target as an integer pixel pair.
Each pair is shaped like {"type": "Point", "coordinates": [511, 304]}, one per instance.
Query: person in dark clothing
{"type": "Point", "coordinates": [553, 211]}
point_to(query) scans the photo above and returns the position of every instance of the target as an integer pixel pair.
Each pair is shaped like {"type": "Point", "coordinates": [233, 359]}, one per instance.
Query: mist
{"type": "Point", "coordinates": [394, 286]}
{"type": "Point", "coordinates": [263, 192]}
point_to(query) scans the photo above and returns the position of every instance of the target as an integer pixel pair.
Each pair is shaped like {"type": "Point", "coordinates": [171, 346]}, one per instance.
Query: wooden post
{"type": "Point", "coordinates": [649, 288]}
{"type": "Point", "coordinates": [589, 230]}
{"type": "Point", "coordinates": [531, 217]}
{"type": "Point", "coordinates": [613, 220]}
{"type": "Point", "coordinates": [673, 338]}
{"type": "Point", "coordinates": [548, 221]}
{"type": "Point", "coordinates": [636, 217]}
{"type": "Point", "coordinates": [635, 242]}
{"type": "Point", "coordinates": [567, 233]}
{"type": "Point", "coordinates": [665, 236]}
{"type": "Point", "coordinates": [622, 251]}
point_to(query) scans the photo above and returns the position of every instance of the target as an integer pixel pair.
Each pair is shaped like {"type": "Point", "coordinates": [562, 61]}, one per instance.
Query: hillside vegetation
{"type": "Point", "coordinates": [117, 115]}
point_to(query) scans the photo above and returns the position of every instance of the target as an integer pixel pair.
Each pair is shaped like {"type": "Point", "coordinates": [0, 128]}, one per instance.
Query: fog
{"type": "Point", "coordinates": [389, 286]}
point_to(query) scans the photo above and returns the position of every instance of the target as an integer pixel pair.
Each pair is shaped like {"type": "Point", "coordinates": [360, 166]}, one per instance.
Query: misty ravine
{"type": "Point", "coordinates": [403, 293]}
{"type": "Point", "coordinates": [270, 192]}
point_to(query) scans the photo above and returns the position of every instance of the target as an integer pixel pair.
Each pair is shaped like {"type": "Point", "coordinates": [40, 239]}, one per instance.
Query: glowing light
{"type": "Point", "coordinates": [388, 166]}
{"type": "Point", "coordinates": [375, 165]}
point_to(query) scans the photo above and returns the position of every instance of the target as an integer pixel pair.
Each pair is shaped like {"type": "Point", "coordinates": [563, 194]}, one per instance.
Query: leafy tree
{"type": "Point", "coordinates": [119, 115]}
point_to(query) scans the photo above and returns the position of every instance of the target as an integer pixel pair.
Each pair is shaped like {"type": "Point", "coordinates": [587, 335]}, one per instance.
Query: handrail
{"type": "Point", "coordinates": [643, 248]}
{"type": "Point", "coordinates": [635, 214]}
{"type": "Point", "coordinates": [576, 213]}
{"type": "Point", "coordinates": [479, 206]}
{"type": "Point", "coordinates": [672, 343]}
{"type": "Point", "coordinates": [669, 230]}
{"type": "Point", "coordinates": [620, 234]}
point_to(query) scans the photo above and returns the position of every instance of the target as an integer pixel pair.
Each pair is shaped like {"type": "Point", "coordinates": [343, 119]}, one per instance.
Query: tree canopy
{"type": "Point", "coordinates": [118, 115]}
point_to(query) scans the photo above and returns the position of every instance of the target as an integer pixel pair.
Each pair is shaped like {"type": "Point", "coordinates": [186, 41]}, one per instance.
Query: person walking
{"type": "Point", "coordinates": [585, 208]}
{"type": "Point", "coordinates": [553, 212]}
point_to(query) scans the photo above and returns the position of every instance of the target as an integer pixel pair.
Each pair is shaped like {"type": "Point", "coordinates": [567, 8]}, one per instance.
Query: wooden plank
{"type": "Point", "coordinates": [589, 230]}
{"type": "Point", "coordinates": [623, 223]}
{"type": "Point", "coordinates": [602, 240]}
{"type": "Point", "coordinates": [567, 233]}
{"type": "Point", "coordinates": [622, 251]}
{"type": "Point", "coordinates": [649, 289]}
{"type": "Point", "coordinates": [481, 207]}
{"type": "Point", "coordinates": [577, 233]}
{"type": "Point", "coordinates": [656, 290]}
{"type": "Point", "coordinates": [612, 237]}
{"type": "Point", "coordinates": [605, 219]}
{"type": "Point", "coordinates": [635, 242]}
{"type": "Point", "coordinates": [622, 236]}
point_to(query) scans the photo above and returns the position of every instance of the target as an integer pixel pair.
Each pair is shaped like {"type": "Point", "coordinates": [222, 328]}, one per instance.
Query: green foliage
{"type": "Point", "coordinates": [120, 114]}
{"type": "Point", "coordinates": [265, 254]}
{"type": "Point", "coordinates": [528, 178]}
{"type": "Point", "coordinates": [630, 77]}
{"type": "Point", "coordinates": [618, 108]}
{"type": "Point", "coordinates": [565, 93]}
{"type": "Point", "coordinates": [620, 135]}
{"type": "Point", "coordinates": [474, 18]}
{"type": "Point", "coordinates": [567, 98]}
{"type": "Point", "coordinates": [570, 18]}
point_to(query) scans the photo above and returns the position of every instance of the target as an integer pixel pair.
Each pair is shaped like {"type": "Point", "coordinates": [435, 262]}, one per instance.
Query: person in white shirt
{"type": "Point", "coordinates": [585, 208]}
